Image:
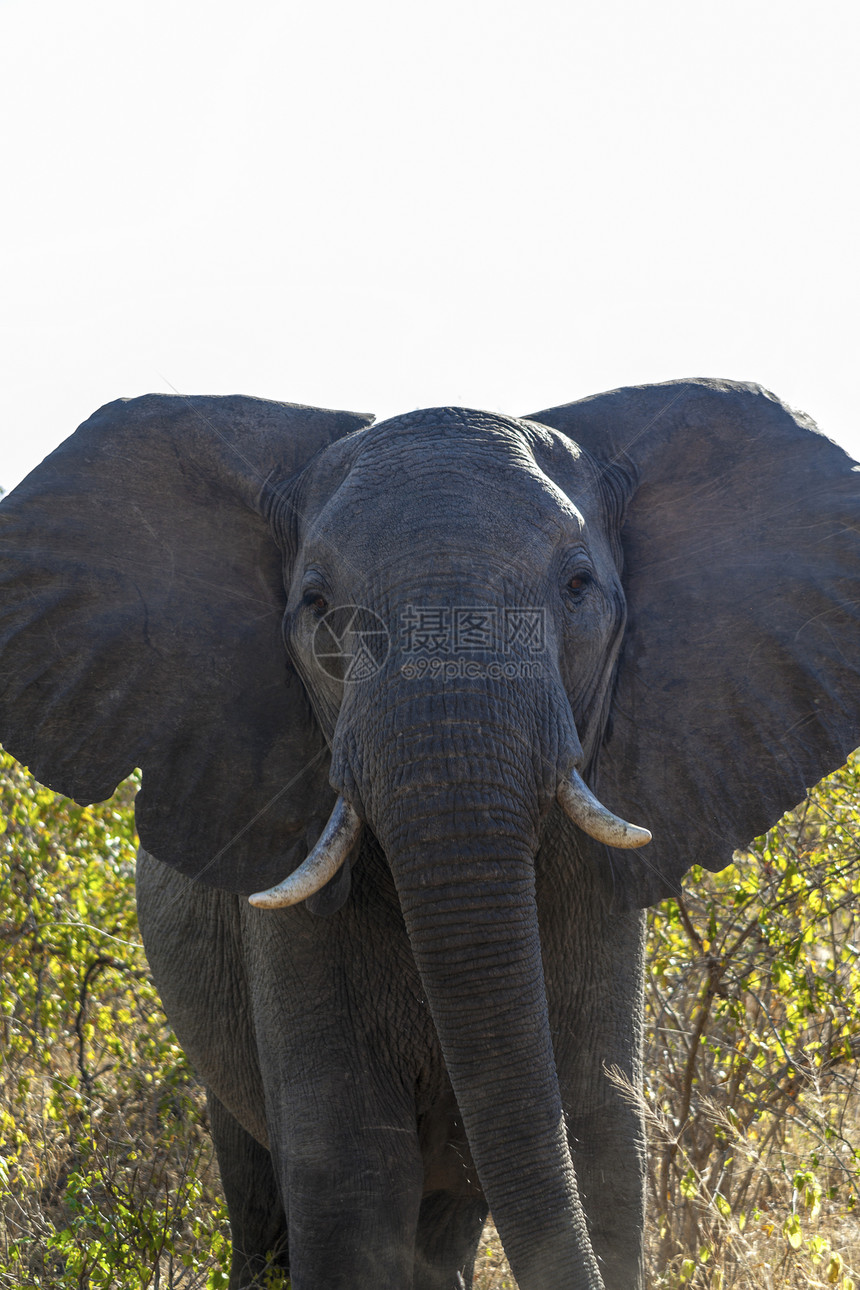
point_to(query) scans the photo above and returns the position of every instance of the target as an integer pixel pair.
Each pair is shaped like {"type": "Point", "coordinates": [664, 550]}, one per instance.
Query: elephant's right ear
{"type": "Point", "coordinates": [141, 598]}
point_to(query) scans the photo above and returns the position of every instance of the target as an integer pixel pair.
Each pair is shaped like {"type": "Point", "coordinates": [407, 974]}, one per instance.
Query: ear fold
{"type": "Point", "coordinates": [141, 597]}
{"type": "Point", "coordinates": [738, 685]}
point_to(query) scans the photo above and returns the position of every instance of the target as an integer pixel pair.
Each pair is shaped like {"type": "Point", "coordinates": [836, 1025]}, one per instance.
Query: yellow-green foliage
{"type": "Point", "coordinates": [753, 999]}
{"type": "Point", "coordinates": [105, 1175]}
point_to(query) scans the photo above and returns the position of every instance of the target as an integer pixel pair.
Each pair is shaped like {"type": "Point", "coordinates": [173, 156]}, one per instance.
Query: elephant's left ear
{"type": "Point", "coordinates": [738, 685]}
{"type": "Point", "coordinates": [141, 601]}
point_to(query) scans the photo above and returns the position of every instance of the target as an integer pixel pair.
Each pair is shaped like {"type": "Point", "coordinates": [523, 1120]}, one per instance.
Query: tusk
{"type": "Point", "coordinates": [335, 843]}
{"type": "Point", "coordinates": [580, 805]}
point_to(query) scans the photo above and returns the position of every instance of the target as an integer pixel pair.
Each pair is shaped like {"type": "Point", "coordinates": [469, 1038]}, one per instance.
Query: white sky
{"type": "Point", "coordinates": [380, 204]}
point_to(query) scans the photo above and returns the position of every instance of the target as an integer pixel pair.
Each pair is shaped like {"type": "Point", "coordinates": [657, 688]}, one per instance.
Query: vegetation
{"type": "Point", "coordinates": [107, 1178]}
{"type": "Point", "coordinates": [752, 1064]}
{"type": "Point", "coordinates": [106, 1174]}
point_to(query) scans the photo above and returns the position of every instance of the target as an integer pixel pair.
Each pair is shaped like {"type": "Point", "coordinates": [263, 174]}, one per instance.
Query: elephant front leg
{"type": "Point", "coordinates": [339, 1092]}
{"type": "Point", "coordinates": [343, 1135]}
{"type": "Point", "coordinates": [596, 1003]}
{"type": "Point", "coordinates": [352, 1174]}
{"type": "Point", "coordinates": [608, 1149]}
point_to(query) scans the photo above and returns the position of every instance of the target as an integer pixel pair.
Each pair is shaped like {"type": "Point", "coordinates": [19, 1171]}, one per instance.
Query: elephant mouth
{"type": "Point", "coordinates": [344, 828]}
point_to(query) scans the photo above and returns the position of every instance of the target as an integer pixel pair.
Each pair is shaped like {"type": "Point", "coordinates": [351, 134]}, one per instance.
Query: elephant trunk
{"type": "Point", "coordinates": [477, 949]}
{"type": "Point", "coordinates": [459, 829]}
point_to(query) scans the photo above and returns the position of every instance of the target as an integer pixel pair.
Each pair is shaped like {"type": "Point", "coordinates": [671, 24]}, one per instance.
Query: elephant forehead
{"type": "Point", "coordinates": [464, 493]}
{"type": "Point", "coordinates": [456, 419]}
{"type": "Point", "coordinates": [453, 429]}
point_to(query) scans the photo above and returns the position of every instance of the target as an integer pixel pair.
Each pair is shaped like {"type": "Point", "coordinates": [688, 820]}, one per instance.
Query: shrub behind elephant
{"type": "Point", "coordinates": [433, 633]}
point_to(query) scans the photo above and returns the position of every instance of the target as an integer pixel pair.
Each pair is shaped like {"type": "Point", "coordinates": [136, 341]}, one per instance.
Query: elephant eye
{"type": "Point", "coordinates": [579, 581]}
{"type": "Point", "coordinates": [316, 602]}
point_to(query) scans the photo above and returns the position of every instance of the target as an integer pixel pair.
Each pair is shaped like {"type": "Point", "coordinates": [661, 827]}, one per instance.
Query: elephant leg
{"type": "Point", "coordinates": [339, 1063]}
{"type": "Point", "coordinates": [257, 1221]}
{"type": "Point", "coordinates": [597, 1006]}
{"type": "Point", "coordinates": [608, 1151]}
{"type": "Point", "coordinates": [347, 1153]}
{"type": "Point", "coordinates": [449, 1229]}
{"type": "Point", "coordinates": [606, 1126]}
{"type": "Point", "coordinates": [354, 1200]}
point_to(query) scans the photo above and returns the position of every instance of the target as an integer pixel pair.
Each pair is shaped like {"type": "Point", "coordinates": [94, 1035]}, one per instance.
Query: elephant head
{"type": "Point", "coordinates": [440, 628]}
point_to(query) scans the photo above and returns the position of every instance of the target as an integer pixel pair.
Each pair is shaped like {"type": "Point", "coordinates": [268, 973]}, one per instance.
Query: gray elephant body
{"type": "Point", "coordinates": [429, 628]}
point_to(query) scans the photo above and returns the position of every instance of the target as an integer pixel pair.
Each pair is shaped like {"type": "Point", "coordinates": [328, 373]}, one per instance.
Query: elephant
{"type": "Point", "coordinates": [428, 711]}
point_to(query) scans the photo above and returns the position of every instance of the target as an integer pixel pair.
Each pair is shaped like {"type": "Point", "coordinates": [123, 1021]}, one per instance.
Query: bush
{"type": "Point", "coordinates": [753, 1021]}
{"type": "Point", "coordinates": [106, 1177]}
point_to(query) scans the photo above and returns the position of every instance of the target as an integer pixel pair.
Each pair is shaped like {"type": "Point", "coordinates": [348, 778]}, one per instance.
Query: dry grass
{"type": "Point", "coordinates": [491, 1266]}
